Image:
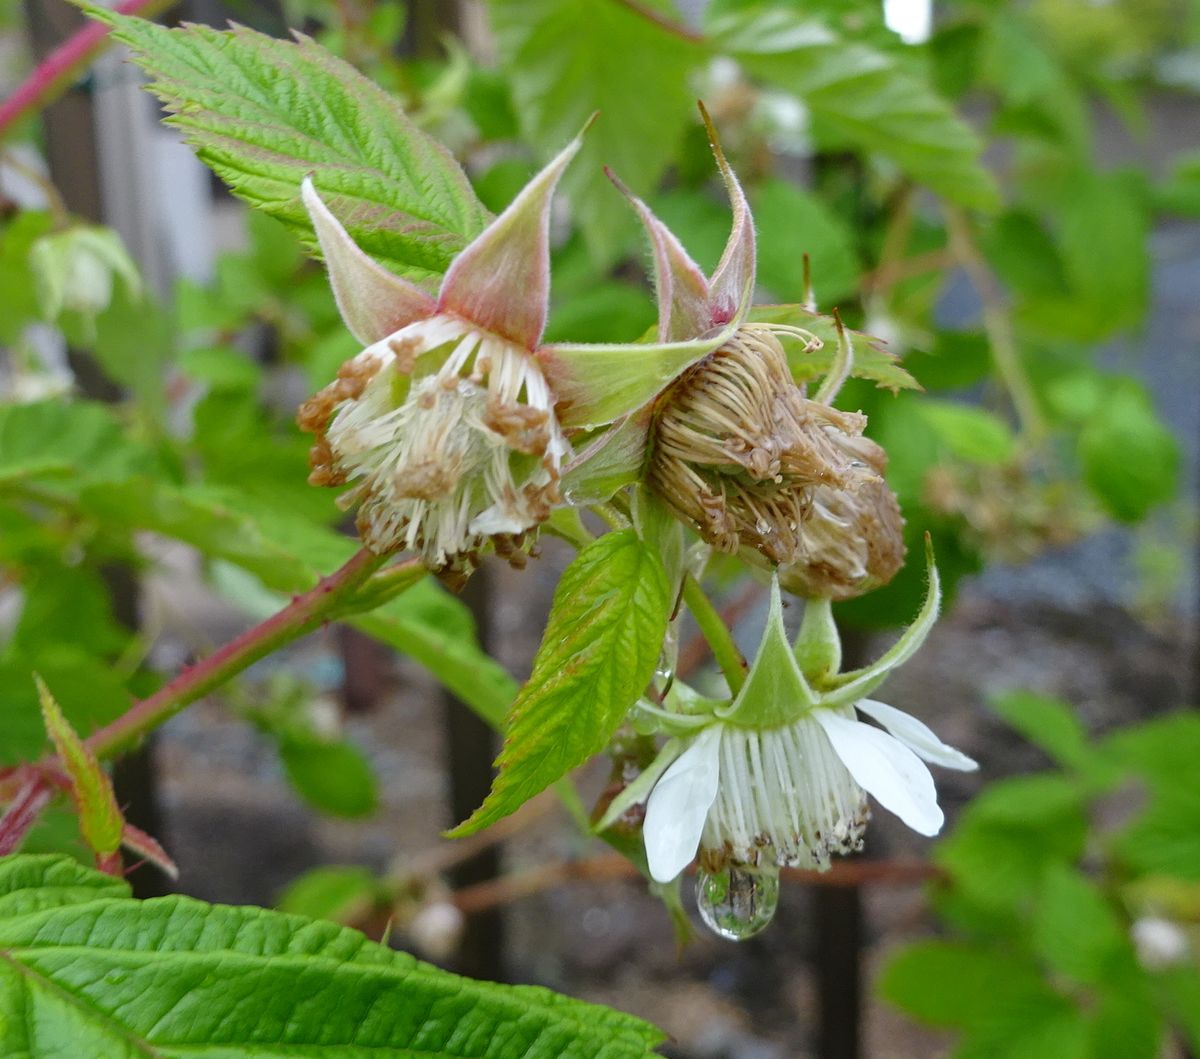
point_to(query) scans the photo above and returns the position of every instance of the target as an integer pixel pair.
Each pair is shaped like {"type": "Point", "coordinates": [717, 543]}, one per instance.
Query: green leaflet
{"type": "Point", "coordinates": [264, 113]}
{"type": "Point", "coordinates": [973, 434]}
{"type": "Point", "coordinates": [599, 651]}
{"type": "Point", "coordinates": [862, 94]}
{"type": "Point", "coordinates": [872, 361]}
{"type": "Point", "coordinates": [567, 59]}
{"type": "Point", "coordinates": [86, 971]}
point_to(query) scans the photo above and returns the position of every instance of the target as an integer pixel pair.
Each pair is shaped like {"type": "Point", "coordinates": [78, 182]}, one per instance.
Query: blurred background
{"type": "Point", "coordinates": [1006, 194]}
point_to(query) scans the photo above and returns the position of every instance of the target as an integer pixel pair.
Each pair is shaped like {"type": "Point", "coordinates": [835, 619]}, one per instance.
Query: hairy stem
{"type": "Point", "coordinates": [347, 590]}
{"type": "Point", "coordinates": [716, 632]}
{"type": "Point", "coordinates": [52, 75]}
{"type": "Point", "coordinates": [304, 614]}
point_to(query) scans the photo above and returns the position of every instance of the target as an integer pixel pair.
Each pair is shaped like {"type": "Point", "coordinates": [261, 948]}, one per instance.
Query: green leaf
{"type": "Point", "coordinates": [792, 222]}
{"type": "Point", "coordinates": [289, 553]}
{"type": "Point", "coordinates": [174, 977]}
{"type": "Point", "coordinates": [599, 651]}
{"type": "Point", "coordinates": [337, 892]}
{"type": "Point", "coordinates": [264, 113]}
{"type": "Point", "coordinates": [958, 985]}
{"type": "Point", "coordinates": [1074, 929]}
{"type": "Point", "coordinates": [567, 59]}
{"type": "Point", "coordinates": [867, 96]}
{"type": "Point", "coordinates": [333, 777]}
{"type": "Point", "coordinates": [1180, 193]}
{"type": "Point", "coordinates": [1103, 228]}
{"type": "Point", "coordinates": [973, 434]}
{"type": "Point", "coordinates": [100, 820]}
{"type": "Point", "coordinates": [1008, 836]}
{"type": "Point", "coordinates": [1130, 459]}
{"type": "Point", "coordinates": [872, 361]}
{"type": "Point", "coordinates": [77, 441]}
{"type": "Point", "coordinates": [1048, 723]}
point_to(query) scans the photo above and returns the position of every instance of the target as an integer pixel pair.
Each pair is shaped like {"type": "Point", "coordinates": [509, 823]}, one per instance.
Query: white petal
{"type": "Point", "coordinates": [679, 804]}
{"type": "Point", "coordinates": [886, 769]}
{"type": "Point", "coordinates": [917, 736]}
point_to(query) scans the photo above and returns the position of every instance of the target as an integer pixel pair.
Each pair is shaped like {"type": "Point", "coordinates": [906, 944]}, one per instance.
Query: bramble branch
{"type": "Point", "coordinates": [51, 76]}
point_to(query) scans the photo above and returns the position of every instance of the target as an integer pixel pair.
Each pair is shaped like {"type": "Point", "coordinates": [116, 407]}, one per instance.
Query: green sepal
{"type": "Point", "coordinates": [858, 683]}
{"type": "Point", "coordinates": [775, 692]}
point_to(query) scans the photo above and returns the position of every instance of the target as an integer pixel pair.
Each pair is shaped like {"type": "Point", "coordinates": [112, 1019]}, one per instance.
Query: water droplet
{"type": "Point", "coordinates": [669, 656]}
{"type": "Point", "coordinates": [738, 902]}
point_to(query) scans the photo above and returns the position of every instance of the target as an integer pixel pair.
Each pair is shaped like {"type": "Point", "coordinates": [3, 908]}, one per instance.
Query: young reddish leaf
{"type": "Point", "coordinates": [100, 819]}
{"type": "Point", "coordinates": [148, 848]}
{"type": "Point", "coordinates": [22, 813]}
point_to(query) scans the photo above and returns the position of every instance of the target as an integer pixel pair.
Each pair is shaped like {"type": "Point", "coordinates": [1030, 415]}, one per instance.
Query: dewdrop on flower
{"type": "Point", "coordinates": [780, 775]}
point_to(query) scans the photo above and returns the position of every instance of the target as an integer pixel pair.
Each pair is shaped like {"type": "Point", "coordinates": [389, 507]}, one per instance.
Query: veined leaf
{"type": "Point", "coordinates": [86, 971]}
{"type": "Point", "coordinates": [567, 59]}
{"type": "Point", "coordinates": [872, 360]}
{"type": "Point", "coordinates": [864, 95]}
{"type": "Point", "coordinates": [598, 654]}
{"type": "Point", "coordinates": [265, 113]}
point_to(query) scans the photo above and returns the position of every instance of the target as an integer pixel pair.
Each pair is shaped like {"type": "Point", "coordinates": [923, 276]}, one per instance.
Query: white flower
{"type": "Point", "coordinates": [780, 775]}
{"type": "Point", "coordinates": [445, 420]}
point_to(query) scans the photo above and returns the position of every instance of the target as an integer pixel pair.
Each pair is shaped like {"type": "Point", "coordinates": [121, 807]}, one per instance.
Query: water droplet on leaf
{"type": "Point", "coordinates": [738, 902]}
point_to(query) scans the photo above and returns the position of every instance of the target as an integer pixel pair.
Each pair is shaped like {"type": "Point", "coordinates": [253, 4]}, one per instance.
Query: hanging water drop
{"type": "Point", "coordinates": [669, 657]}
{"type": "Point", "coordinates": [738, 902]}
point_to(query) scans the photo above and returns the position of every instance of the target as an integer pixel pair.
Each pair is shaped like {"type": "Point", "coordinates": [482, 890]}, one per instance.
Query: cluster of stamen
{"type": "Point", "coordinates": [738, 448]}
{"type": "Point", "coordinates": [853, 538]}
{"type": "Point", "coordinates": [449, 433]}
{"type": "Point", "coordinates": [784, 799]}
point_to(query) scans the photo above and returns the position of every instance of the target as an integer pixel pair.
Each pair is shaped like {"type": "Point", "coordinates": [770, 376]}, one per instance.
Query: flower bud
{"type": "Point", "coordinates": [738, 450]}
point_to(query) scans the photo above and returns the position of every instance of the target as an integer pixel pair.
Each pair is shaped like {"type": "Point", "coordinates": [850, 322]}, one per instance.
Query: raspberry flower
{"type": "Point", "coordinates": [446, 422]}
{"type": "Point", "coordinates": [779, 776]}
{"type": "Point", "coordinates": [729, 441]}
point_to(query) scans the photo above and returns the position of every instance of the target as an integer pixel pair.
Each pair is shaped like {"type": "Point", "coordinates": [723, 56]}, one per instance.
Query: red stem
{"type": "Point", "coordinates": [53, 72]}
{"type": "Point", "coordinates": [22, 813]}
{"type": "Point", "coordinates": [305, 613]}
{"type": "Point", "coordinates": [302, 615]}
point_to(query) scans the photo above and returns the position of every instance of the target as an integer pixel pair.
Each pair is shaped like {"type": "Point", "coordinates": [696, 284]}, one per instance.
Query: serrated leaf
{"type": "Point", "coordinates": [100, 819]}
{"type": "Point", "coordinates": [265, 113]}
{"type": "Point", "coordinates": [567, 59]}
{"type": "Point", "coordinates": [872, 361]}
{"type": "Point", "coordinates": [98, 974]}
{"type": "Point", "coordinates": [598, 653]}
{"type": "Point", "coordinates": [865, 95]}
